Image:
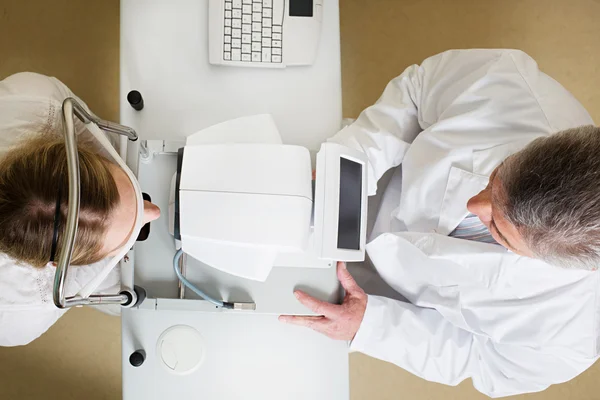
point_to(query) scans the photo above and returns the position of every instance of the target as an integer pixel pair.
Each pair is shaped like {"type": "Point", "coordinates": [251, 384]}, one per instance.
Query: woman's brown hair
{"type": "Point", "coordinates": [30, 177]}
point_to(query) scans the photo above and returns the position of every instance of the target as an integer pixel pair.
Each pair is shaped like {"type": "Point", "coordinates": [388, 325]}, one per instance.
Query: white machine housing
{"type": "Point", "coordinates": [245, 208]}
{"type": "Point", "coordinates": [246, 194]}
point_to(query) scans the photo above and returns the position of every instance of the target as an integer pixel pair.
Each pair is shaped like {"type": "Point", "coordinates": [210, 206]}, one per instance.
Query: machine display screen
{"type": "Point", "coordinates": [349, 223]}
{"type": "Point", "coordinates": [301, 8]}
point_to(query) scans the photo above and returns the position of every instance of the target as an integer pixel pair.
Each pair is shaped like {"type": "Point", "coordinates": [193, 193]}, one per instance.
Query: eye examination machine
{"type": "Point", "coordinates": [228, 154]}
{"type": "Point", "coordinates": [258, 209]}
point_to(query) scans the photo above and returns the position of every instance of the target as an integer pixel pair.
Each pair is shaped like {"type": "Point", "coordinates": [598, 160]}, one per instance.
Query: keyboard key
{"type": "Point", "coordinates": [256, 46]}
{"type": "Point", "coordinates": [227, 5]}
{"type": "Point", "coordinates": [277, 36]}
{"type": "Point", "coordinates": [227, 30]}
{"type": "Point", "coordinates": [236, 23]}
{"type": "Point", "coordinates": [267, 22]}
{"type": "Point", "coordinates": [227, 39]}
{"type": "Point", "coordinates": [267, 3]}
{"type": "Point", "coordinates": [237, 3]}
{"type": "Point", "coordinates": [228, 14]}
{"type": "Point", "coordinates": [246, 57]}
{"type": "Point", "coordinates": [267, 32]}
{"type": "Point", "coordinates": [256, 37]}
{"type": "Point", "coordinates": [247, 28]}
{"type": "Point", "coordinates": [266, 42]}
{"type": "Point", "coordinates": [256, 57]}
{"type": "Point", "coordinates": [257, 7]}
{"type": "Point", "coordinates": [266, 55]}
{"type": "Point", "coordinates": [236, 55]}
{"type": "Point", "coordinates": [237, 13]}
{"type": "Point", "coordinates": [246, 38]}
{"type": "Point", "coordinates": [256, 27]}
{"type": "Point", "coordinates": [276, 51]}
{"type": "Point", "coordinates": [227, 47]}
{"type": "Point", "coordinates": [236, 43]}
{"type": "Point", "coordinates": [267, 12]}
{"type": "Point", "coordinates": [247, 9]}
{"type": "Point", "coordinates": [276, 43]}
{"type": "Point", "coordinates": [246, 1]}
{"type": "Point", "coordinates": [227, 22]}
{"type": "Point", "coordinates": [277, 28]}
{"type": "Point", "coordinates": [236, 33]}
{"type": "Point", "coordinates": [247, 19]}
{"type": "Point", "coordinates": [276, 59]}
{"type": "Point", "coordinates": [256, 17]}
{"type": "Point", "coordinates": [246, 48]}
{"type": "Point", "coordinates": [227, 56]}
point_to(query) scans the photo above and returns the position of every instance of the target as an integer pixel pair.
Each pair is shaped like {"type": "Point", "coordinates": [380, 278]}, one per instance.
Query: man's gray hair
{"type": "Point", "coordinates": [552, 196]}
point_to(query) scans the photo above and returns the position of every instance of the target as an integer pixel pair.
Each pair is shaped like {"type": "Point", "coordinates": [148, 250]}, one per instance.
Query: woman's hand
{"type": "Point", "coordinates": [339, 322]}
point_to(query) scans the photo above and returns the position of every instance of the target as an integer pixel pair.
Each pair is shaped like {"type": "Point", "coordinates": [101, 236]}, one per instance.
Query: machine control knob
{"type": "Point", "coordinates": [137, 358]}
{"type": "Point", "coordinates": [135, 99]}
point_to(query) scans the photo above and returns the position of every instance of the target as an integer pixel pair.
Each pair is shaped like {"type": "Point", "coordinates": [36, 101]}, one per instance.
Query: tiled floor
{"type": "Point", "coordinates": [77, 41]}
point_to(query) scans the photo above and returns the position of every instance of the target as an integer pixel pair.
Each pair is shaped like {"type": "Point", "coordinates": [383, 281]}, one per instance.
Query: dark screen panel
{"type": "Point", "coordinates": [301, 8]}
{"type": "Point", "coordinates": [349, 223]}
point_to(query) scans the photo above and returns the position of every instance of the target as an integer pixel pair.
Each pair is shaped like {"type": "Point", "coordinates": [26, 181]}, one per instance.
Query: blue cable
{"type": "Point", "coordinates": [192, 287]}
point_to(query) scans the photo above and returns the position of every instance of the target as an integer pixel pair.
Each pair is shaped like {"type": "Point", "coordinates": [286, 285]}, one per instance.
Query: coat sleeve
{"type": "Point", "coordinates": [423, 342]}
{"type": "Point", "coordinates": [414, 101]}
{"type": "Point", "coordinates": [31, 105]}
{"type": "Point", "coordinates": [39, 89]}
{"type": "Point", "coordinates": [385, 130]}
{"type": "Point", "coordinates": [19, 327]}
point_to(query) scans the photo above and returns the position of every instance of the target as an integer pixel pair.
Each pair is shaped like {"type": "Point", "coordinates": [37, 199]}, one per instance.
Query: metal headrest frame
{"type": "Point", "coordinates": [70, 108]}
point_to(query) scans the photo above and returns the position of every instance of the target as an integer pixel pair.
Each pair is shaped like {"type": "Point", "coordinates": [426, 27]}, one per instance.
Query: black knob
{"type": "Point", "coordinates": [135, 99]}
{"type": "Point", "coordinates": [137, 358]}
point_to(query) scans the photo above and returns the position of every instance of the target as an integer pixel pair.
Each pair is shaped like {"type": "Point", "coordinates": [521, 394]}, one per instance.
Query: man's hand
{"type": "Point", "coordinates": [339, 322]}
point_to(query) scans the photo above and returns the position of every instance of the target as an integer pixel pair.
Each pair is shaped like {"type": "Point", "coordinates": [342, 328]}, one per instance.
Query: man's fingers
{"type": "Point", "coordinates": [346, 279]}
{"type": "Point", "coordinates": [318, 324]}
{"type": "Point", "coordinates": [315, 305]}
{"type": "Point", "coordinates": [310, 322]}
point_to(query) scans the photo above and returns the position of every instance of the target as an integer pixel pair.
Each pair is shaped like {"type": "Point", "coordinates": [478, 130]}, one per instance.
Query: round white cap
{"type": "Point", "coordinates": [180, 349]}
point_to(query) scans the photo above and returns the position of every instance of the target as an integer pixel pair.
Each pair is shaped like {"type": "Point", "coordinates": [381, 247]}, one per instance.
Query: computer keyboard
{"type": "Point", "coordinates": [253, 31]}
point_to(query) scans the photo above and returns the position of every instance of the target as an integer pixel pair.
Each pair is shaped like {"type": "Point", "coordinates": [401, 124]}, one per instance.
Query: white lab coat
{"type": "Point", "coordinates": [511, 323]}
{"type": "Point", "coordinates": [31, 104]}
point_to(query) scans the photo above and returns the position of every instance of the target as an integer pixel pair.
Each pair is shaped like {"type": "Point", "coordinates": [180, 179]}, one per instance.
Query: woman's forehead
{"type": "Point", "coordinates": [123, 217]}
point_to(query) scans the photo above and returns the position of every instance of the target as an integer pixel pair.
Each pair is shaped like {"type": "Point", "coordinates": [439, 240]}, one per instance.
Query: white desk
{"type": "Point", "coordinates": [164, 55]}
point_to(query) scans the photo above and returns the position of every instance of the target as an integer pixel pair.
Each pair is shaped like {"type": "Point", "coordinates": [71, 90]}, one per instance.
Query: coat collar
{"type": "Point", "coordinates": [461, 186]}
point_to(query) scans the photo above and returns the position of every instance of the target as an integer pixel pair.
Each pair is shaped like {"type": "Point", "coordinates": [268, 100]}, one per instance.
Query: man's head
{"type": "Point", "coordinates": [544, 201]}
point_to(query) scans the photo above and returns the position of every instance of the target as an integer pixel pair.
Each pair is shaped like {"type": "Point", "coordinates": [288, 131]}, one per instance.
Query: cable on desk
{"type": "Point", "coordinates": [192, 287]}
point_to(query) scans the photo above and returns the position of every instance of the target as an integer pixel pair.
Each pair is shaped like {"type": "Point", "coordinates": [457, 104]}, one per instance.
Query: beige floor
{"type": "Point", "coordinates": [77, 41]}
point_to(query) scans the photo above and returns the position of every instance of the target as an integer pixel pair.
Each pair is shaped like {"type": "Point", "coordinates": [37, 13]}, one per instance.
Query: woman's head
{"type": "Point", "coordinates": [31, 176]}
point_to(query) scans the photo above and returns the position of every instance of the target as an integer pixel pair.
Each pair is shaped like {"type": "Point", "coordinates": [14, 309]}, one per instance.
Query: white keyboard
{"type": "Point", "coordinates": [253, 31]}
